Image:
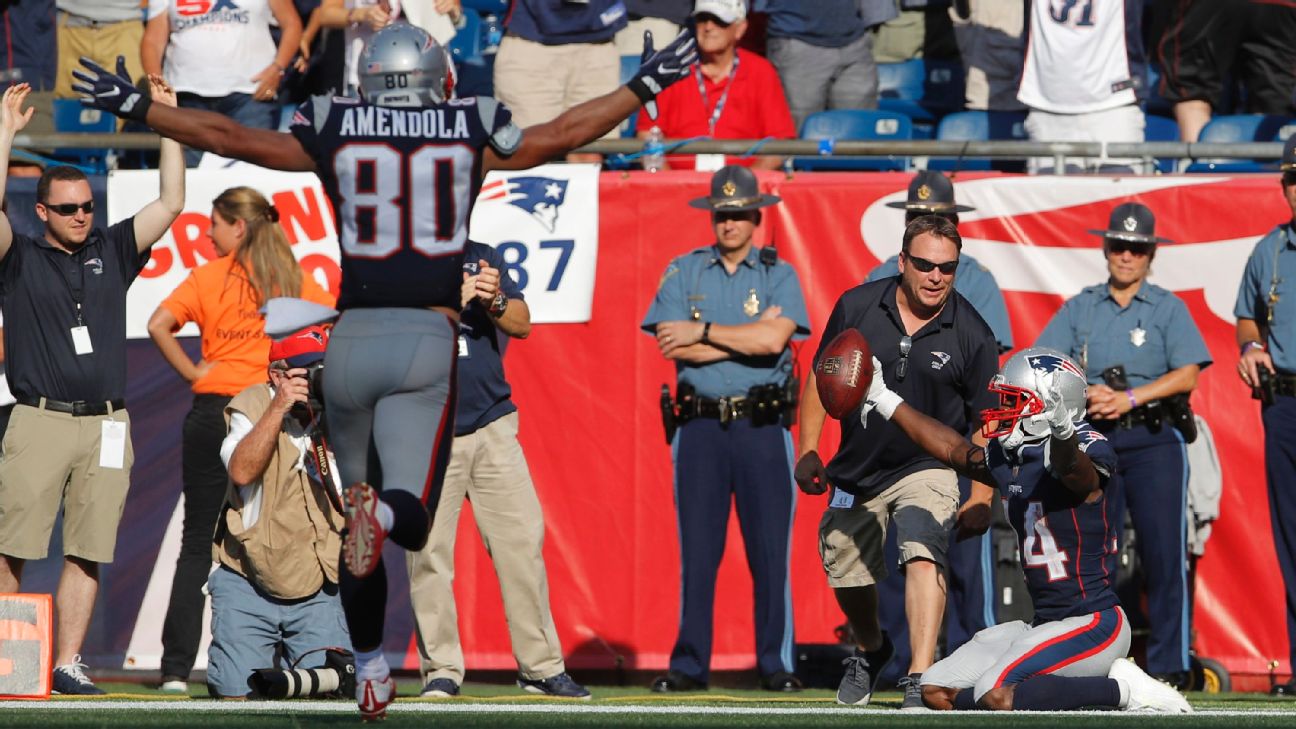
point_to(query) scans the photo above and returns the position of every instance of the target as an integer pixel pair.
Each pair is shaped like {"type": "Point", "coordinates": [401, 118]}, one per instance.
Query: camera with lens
{"type": "Point", "coordinates": [314, 404]}
{"type": "Point", "coordinates": [334, 680]}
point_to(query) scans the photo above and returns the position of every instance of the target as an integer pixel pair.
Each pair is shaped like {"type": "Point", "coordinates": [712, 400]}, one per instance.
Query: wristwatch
{"type": "Point", "coordinates": [706, 333]}
{"type": "Point", "coordinates": [498, 305]}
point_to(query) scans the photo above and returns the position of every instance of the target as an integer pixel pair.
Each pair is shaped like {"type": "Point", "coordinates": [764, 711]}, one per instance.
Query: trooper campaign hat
{"type": "Point", "coordinates": [931, 192]}
{"type": "Point", "coordinates": [1134, 223]}
{"type": "Point", "coordinates": [1289, 155]}
{"type": "Point", "coordinates": [734, 189]}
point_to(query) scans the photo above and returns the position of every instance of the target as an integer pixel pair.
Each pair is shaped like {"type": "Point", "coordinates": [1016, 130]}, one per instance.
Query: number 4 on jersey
{"type": "Point", "coordinates": [1040, 547]}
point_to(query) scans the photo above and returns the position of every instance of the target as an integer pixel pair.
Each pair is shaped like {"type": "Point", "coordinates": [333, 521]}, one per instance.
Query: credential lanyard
{"type": "Point", "coordinates": [720, 103]}
{"type": "Point", "coordinates": [78, 291]}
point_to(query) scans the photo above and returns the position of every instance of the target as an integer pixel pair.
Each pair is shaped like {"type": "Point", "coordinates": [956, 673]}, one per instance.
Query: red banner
{"type": "Point", "coordinates": [588, 395]}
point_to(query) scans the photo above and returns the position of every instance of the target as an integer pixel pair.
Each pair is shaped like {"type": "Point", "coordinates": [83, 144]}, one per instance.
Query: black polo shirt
{"type": "Point", "coordinates": [484, 396]}
{"type": "Point", "coordinates": [40, 285]}
{"type": "Point", "coordinates": [950, 365]}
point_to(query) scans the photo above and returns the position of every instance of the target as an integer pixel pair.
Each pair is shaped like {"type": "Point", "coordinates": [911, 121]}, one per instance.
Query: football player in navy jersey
{"type": "Point", "coordinates": [1052, 470]}
{"type": "Point", "coordinates": [402, 167]}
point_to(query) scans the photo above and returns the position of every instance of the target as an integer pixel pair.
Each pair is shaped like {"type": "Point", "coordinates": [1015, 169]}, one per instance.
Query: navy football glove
{"type": "Point", "coordinates": [114, 93]}
{"type": "Point", "coordinates": [662, 68]}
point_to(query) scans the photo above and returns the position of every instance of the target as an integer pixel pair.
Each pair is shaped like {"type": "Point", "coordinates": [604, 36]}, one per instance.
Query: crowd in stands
{"type": "Point", "coordinates": [924, 61]}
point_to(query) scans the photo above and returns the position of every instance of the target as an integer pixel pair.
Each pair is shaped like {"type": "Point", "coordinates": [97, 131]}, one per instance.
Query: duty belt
{"type": "Point", "coordinates": [1149, 414]}
{"type": "Point", "coordinates": [724, 409]}
{"type": "Point", "coordinates": [1285, 385]}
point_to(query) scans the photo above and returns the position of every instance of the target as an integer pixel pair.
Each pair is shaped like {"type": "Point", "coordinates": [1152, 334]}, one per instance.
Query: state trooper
{"type": "Point", "coordinates": [725, 314]}
{"type": "Point", "coordinates": [1266, 327]}
{"type": "Point", "coordinates": [971, 580]}
{"type": "Point", "coordinates": [1142, 353]}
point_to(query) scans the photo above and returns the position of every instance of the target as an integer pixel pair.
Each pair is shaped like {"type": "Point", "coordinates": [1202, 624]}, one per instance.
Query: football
{"type": "Point", "coordinates": [843, 373]}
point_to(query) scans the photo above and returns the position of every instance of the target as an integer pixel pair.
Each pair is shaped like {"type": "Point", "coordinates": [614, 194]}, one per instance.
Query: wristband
{"type": "Point", "coordinates": [1132, 399]}
{"type": "Point", "coordinates": [706, 333]}
{"type": "Point", "coordinates": [1253, 344]}
{"type": "Point", "coordinates": [498, 305]}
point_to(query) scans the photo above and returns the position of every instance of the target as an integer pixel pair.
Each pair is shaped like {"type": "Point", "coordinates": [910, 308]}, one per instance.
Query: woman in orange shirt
{"type": "Point", "coordinates": [224, 298]}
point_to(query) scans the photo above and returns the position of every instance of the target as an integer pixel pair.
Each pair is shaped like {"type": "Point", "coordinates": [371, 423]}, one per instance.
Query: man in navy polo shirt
{"type": "Point", "coordinates": [940, 355]}
{"type": "Point", "coordinates": [65, 337]}
{"type": "Point", "coordinates": [487, 466]}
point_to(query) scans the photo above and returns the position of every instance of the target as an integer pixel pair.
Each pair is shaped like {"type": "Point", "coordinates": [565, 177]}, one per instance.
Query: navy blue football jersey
{"type": "Point", "coordinates": [1068, 547]}
{"type": "Point", "coordinates": [402, 182]}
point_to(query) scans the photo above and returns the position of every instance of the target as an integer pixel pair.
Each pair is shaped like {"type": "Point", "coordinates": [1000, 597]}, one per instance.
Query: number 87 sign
{"type": "Point", "coordinates": [544, 222]}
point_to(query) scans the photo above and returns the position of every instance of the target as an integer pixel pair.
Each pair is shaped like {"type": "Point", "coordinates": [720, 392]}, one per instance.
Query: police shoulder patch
{"type": "Point", "coordinates": [671, 270]}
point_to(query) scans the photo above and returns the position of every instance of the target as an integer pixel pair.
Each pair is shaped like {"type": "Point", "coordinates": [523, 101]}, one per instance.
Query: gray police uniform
{"type": "Point", "coordinates": [1267, 295]}
{"type": "Point", "coordinates": [1151, 336]}
{"type": "Point", "coordinates": [736, 458]}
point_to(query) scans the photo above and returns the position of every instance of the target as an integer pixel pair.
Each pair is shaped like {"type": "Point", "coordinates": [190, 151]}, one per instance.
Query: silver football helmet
{"type": "Point", "coordinates": [404, 66]}
{"type": "Point", "coordinates": [1025, 384]}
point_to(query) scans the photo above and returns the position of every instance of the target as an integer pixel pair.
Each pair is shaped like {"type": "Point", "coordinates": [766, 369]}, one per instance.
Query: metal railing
{"type": "Point", "coordinates": [1147, 152]}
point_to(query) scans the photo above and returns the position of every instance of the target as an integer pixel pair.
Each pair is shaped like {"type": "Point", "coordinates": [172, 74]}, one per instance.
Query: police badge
{"type": "Point", "coordinates": [751, 307]}
{"type": "Point", "coordinates": [1138, 336]}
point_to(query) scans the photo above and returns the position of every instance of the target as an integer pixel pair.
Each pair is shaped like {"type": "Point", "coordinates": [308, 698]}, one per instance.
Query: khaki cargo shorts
{"type": "Point", "coordinates": [852, 532]}
{"type": "Point", "coordinates": [52, 459]}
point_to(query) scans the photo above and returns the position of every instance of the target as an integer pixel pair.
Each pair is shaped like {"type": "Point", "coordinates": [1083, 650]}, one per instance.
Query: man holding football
{"type": "Point", "coordinates": [939, 354]}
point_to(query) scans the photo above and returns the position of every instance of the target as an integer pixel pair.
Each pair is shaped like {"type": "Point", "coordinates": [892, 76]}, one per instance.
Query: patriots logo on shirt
{"type": "Point", "coordinates": [939, 360]}
{"type": "Point", "coordinates": [539, 197]}
{"type": "Point", "coordinates": [96, 266]}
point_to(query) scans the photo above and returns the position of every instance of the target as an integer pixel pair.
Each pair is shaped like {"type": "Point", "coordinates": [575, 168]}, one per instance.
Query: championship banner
{"type": "Point", "coordinates": [304, 214]}
{"type": "Point", "coordinates": [545, 222]}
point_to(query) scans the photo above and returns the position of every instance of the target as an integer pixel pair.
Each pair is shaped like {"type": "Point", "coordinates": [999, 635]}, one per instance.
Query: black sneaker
{"type": "Point", "coordinates": [1284, 690]}
{"type": "Point", "coordinates": [675, 682]}
{"type": "Point", "coordinates": [862, 669]}
{"type": "Point", "coordinates": [440, 688]}
{"type": "Point", "coordinates": [71, 680]}
{"type": "Point", "coordinates": [561, 686]}
{"type": "Point", "coordinates": [911, 685]}
{"type": "Point", "coordinates": [782, 681]}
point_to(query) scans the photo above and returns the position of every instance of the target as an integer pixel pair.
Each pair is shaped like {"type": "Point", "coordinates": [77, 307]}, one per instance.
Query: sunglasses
{"type": "Point", "coordinates": [1121, 246]}
{"type": "Point", "coordinates": [925, 266]}
{"type": "Point", "coordinates": [86, 207]}
{"type": "Point", "coordinates": [902, 367]}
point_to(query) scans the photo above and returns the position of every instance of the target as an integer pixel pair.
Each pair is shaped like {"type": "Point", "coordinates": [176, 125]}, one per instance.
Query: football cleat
{"type": "Point", "coordinates": [374, 696]}
{"type": "Point", "coordinates": [362, 545]}
{"type": "Point", "coordinates": [1146, 694]}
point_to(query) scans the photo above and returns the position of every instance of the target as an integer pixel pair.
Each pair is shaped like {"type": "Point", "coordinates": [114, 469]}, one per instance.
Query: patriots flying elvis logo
{"type": "Point", "coordinates": [1052, 363]}
{"type": "Point", "coordinates": [539, 197]}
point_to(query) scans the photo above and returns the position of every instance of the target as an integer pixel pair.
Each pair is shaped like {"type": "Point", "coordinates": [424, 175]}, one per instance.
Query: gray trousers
{"type": "Point", "coordinates": [816, 78]}
{"type": "Point", "coordinates": [388, 384]}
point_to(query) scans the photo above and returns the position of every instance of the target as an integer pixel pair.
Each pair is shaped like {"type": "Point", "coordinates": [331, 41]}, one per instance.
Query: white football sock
{"type": "Point", "coordinates": [384, 514]}
{"type": "Point", "coordinates": [1124, 690]}
{"type": "Point", "coordinates": [371, 665]}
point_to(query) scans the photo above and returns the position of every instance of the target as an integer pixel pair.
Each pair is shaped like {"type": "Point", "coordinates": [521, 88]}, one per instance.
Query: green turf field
{"type": "Point", "coordinates": [494, 705]}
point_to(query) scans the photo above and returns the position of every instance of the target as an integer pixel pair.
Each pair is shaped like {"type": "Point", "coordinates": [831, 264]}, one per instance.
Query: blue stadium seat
{"type": "Point", "coordinates": [1243, 128]}
{"type": "Point", "coordinates": [855, 124]}
{"type": "Point", "coordinates": [629, 64]}
{"type": "Point", "coordinates": [924, 90]}
{"type": "Point", "coordinates": [1161, 129]}
{"type": "Point", "coordinates": [486, 7]}
{"type": "Point", "coordinates": [70, 116]}
{"type": "Point", "coordinates": [466, 46]}
{"type": "Point", "coordinates": [976, 126]}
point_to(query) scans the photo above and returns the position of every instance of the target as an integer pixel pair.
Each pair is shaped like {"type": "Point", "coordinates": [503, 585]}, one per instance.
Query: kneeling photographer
{"type": "Point", "coordinates": [278, 537]}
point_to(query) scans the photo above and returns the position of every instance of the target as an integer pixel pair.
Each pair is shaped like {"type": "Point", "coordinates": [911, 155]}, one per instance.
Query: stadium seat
{"type": "Point", "coordinates": [466, 46]}
{"type": "Point", "coordinates": [71, 117]}
{"type": "Point", "coordinates": [485, 7]}
{"type": "Point", "coordinates": [1243, 128]}
{"type": "Point", "coordinates": [854, 124]}
{"type": "Point", "coordinates": [977, 126]}
{"type": "Point", "coordinates": [924, 90]}
{"type": "Point", "coordinates": [1161, 129]}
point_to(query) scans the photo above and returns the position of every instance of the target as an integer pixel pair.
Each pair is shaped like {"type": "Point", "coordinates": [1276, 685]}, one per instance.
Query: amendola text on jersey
{"type": "Point", "coordinates": [402, 181]}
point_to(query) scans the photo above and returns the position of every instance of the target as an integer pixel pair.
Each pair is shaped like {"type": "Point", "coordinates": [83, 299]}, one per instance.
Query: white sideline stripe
{"type": "Point", "coordinates": [450, 707]}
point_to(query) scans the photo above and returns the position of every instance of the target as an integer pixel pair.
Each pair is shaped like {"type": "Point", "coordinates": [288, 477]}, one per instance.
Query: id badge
{"type": "Point", "coordinates": [112, 444]}
{"type": "Point", "coordinates": [841, 500]}
{"type": "Point", "coordinates": [463, 346]}
{"type": "Point", "coordinates": [81, 340]}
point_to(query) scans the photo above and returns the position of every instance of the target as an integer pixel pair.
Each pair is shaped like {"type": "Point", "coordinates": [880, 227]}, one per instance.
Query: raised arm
{"type": "Point", "coordinates": [204, 130]}
{"type": "Point", "coordinates": [586, 122]}
{"type": "Point", "coordinates": [12, 120]}
{"type": "Point", "coordinates": [152, 221]}
{"type": "Point", "coordinates": [157, 31]}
